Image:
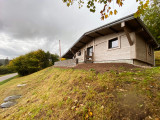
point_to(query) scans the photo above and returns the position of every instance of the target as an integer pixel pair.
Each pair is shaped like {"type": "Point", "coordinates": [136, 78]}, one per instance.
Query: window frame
{"type": "Point", "coordinates": [108, 42]}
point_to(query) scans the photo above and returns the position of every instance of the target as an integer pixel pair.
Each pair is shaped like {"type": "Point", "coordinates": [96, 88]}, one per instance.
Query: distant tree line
{"type": "Point", "coordinates": [151, 18]}
{"type": "Point", "coordinates": [4, 69]}
{"type": "Point", "coordinates": [33, 62]}
{"type": "Point", "coordinates": [4, 61]}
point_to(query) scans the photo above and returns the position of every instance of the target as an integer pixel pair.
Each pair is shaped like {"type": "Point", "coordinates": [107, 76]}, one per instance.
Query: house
{"type": "Point", "coordinates": [126, 40]}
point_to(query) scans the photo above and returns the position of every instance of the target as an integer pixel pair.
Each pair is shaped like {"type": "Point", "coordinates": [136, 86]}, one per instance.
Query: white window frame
{"type": "Point", "coordinates": [118, 47]}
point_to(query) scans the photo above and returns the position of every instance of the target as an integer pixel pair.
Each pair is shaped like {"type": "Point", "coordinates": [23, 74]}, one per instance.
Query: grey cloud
{"type": "Point", "coordinates": [35, 24]}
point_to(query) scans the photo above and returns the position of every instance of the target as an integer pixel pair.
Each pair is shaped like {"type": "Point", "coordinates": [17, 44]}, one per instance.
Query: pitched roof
{"type": "Point", "coordinates": [110, 28]}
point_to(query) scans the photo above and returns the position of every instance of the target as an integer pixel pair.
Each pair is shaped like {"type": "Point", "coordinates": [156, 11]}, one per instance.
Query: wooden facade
{"type": "Point", "coordinates": [124, 41]}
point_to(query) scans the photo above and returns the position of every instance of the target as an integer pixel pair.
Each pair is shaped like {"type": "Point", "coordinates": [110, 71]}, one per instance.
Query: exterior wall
{"type": "Point", "coordinates": [102, 54]}
{"type": "Point", "coordinates": [129, 61]}
{"type": "Point", "coordinates": [142, 51]}
{"type": "Point", "coordinates": [140, 63]}
{"type": "Point", "coordinates": [66, 63]}
{"type": "Point", "coordinates": [136, 54]}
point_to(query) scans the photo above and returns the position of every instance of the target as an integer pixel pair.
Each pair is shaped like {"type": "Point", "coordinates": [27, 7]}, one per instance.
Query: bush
{"type": "Point", "coordinates": [31, 62]}
{"type": "Point", "coordinates": [5, 70]}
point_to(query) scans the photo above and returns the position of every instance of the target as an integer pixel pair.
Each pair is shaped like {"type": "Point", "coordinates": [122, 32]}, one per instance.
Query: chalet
{"type": "Point", "coordinates": [126, 40]}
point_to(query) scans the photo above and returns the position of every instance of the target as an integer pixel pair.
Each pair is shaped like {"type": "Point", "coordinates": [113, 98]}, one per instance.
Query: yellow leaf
{"type": "Point", "coordinates": [110, 13]}
{"type": "Point", "coordinates": [86, 117]}
{"type": "Point", "coordinates": [115, 12]}
{"type": "Point", "coordinates": [106, 16]}
{"type": "Point", "coordinates": [118, 1]}
{"type": "Point", "coordinates": [90, 114]}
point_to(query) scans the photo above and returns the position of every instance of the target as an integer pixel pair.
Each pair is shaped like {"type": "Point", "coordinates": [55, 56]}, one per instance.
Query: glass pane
{"type": "Point", "coordinates": [113, 43]}
{"type": "Point", "coordinates": [89, 51]}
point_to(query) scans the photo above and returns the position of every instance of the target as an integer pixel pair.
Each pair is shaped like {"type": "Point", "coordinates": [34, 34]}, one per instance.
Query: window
{"type": "Point", "coordinates": [90, 51]}
{"type": "Point", "coordinates": [113, 43]}
{"type": "Point", "coordinates": [79, 53]}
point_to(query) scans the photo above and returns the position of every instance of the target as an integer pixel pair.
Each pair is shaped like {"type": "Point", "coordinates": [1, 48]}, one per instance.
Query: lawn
{"type": "Point", "coordinates": [72, 94]}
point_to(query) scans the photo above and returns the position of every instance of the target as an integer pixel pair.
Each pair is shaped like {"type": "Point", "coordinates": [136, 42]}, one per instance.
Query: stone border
{"type": "Point", "coordinates": [67, 63]}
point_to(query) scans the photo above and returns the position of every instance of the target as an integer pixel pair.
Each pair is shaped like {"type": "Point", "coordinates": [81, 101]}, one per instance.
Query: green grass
{"type": "Point", "coordinates": [71, 94]}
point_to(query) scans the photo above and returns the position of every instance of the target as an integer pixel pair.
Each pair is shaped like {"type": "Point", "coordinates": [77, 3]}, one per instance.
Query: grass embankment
{"type": "Point", "coordinates": [157, 58]}
{"type": "Point", "coordinates": [68, 94]}
{"type": "Point", "coordinates": [7, 80]}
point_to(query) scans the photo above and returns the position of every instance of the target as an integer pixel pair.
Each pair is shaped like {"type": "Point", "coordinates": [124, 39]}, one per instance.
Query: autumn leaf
{"type": "Point", "coordinates": [110, 13]}
{"type": "Point", "coordinates": [102, 18]}
{"type": "Point", "coordinates": [121, 4]}
{"type": "Point", "coordinates": [118, 1]}
{"type": "Point", "coordinates": [90, 114]}
{"type": "Point", "coordinates": [115, 11]}
{"type": "Point", "coordinates": [106, 16]}
{"type": "Point", "coordinates": [86, 117]}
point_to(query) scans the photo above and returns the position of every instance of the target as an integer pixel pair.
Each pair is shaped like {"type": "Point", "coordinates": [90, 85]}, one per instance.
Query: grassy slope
{"type": "Point", "coordinates": [157, 58]}
{"type": "Point", "coordinates": [66, 94]}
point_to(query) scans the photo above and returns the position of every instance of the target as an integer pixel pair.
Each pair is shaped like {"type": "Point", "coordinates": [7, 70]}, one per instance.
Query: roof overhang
{"type": "Point", "coordinates": [134, 24]}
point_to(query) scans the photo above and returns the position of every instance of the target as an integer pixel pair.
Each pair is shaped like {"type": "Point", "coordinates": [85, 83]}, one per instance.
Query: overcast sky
{"type": "Point", "coordinates": [27, 25]}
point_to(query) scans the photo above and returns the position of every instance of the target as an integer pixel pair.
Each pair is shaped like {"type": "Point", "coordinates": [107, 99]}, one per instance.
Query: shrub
{"type": "Point", "coordinates": [5, 70]}
{"type": "Point", "coordinates": [31, 62]}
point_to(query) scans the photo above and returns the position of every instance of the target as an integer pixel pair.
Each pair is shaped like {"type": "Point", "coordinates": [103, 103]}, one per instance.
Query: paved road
{"type": "Point", "coordinates": [7, 76]}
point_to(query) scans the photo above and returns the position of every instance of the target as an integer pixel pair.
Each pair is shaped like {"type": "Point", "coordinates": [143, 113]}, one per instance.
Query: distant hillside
{"type": "Point", "coordinates": [3, 61]}
{"type": "Point", "coordinates": [71, 94]}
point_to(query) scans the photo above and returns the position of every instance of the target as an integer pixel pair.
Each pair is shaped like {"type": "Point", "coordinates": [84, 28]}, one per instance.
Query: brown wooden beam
{"type": "Point", "coordinates": [114, 30]}
{"type": "Point", "coordinates": [89, 36]}
{"type": "Point", "coordinates": [82, 42]}
{"type": "Point", "coordinates": [72, 51]}
{"type": "Point", "coordinates": [99, 33]}
{"type": "Point", "coordinates": [128, 36]}
{"type": "Point", "coordinates": [139, 30]}
{"type": "Point", "coordinates": [149, 41]}
{"type": "Point", "coordinates": [77, 47]}
{"type": "Point", "coordinates": [74, 54]}
{"type": "Point", "coordinates": [127, 33]}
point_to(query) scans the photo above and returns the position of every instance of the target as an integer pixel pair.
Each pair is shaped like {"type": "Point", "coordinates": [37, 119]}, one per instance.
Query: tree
{"type": "Point", "coordinates": [30, 62]}
{"type": "Point", "coordinates": [151, 18]}
{"type": "Point", "coordinates": [54, 58]}
{"type": "Point", "coordinates": [107, 10]}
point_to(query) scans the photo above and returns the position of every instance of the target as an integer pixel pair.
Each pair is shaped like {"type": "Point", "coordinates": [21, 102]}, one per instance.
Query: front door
{"type": "Point", "coordinates": [89, 55]}
{"type": "Point", "coordinates": [90, 51]}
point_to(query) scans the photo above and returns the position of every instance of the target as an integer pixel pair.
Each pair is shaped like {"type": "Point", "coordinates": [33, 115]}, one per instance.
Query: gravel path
{"type": "Point", "coordinates": [7, 76]}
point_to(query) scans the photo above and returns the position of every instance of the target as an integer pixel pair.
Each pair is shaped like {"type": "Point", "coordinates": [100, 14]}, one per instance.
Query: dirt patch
{"type": "Point", "coordinates": [104, 67]}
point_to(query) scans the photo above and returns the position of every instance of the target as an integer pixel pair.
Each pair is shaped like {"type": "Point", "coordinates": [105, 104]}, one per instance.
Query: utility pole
{"type": "Point", "coordinates": [60, 50]}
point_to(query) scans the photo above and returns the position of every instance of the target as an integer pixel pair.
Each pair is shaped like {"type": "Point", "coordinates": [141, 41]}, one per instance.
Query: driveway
{"type": "Point", "coordinates": [7, 76]}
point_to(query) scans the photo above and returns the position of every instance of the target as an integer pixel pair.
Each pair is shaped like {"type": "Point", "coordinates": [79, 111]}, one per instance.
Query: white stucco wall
{"type": "Point", "coordinates": [102, 53]}
{"type": "Point", "coordinates": [124, 53]}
